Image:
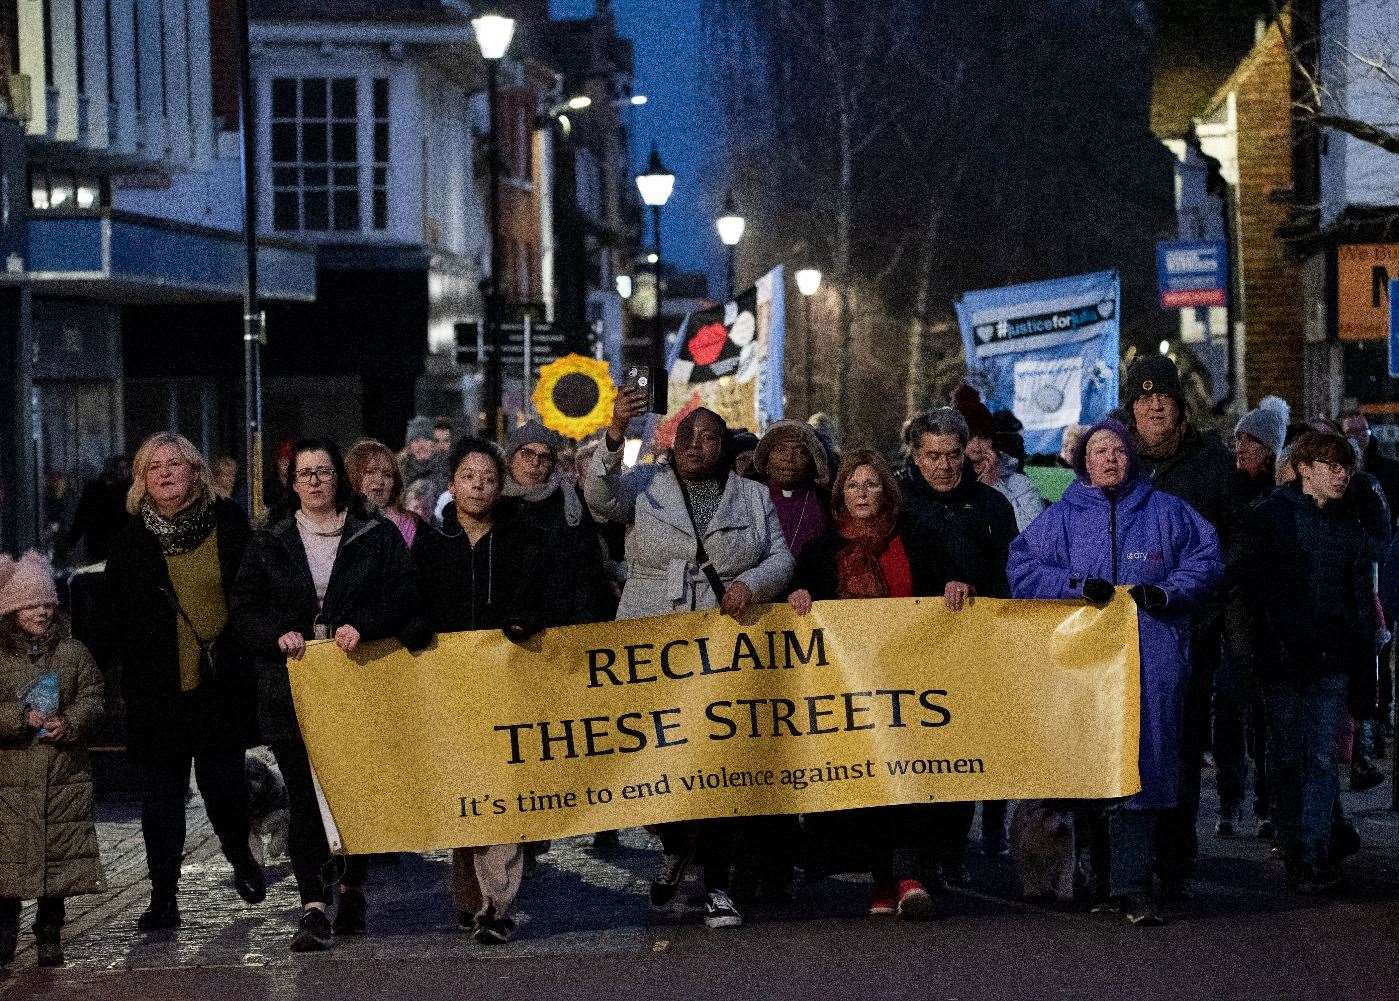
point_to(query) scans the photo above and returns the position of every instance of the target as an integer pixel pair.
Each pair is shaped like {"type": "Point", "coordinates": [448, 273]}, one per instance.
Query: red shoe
{"type": "Point", "coordinates": [884, 899]}
{"type": "Point", "coordinates": [915, 903]}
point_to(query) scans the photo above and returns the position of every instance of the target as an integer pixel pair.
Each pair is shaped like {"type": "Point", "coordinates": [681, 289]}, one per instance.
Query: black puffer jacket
{"type": "Point", "coordinates": [485, 586]}
{"type": "Point", "coordinates": [139, 625]}
{"type": "Point", "coordinates": [973, 523]}
{"type": "Point", "coordinates": [1304, 576]}
{"type": "Point", "coordinates": [372, 587]}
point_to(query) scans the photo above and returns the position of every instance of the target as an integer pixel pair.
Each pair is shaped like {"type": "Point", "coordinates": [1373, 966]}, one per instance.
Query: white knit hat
{"type": "Point", "coordinates": [25, 582]}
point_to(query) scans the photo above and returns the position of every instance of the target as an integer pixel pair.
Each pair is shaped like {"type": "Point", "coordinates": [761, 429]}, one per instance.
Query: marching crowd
{"type": "Point", "coordinates": [1261, 568]}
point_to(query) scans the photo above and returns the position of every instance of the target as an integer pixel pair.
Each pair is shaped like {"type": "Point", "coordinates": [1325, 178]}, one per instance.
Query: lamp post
{"type": "Point", "coordinates": [493, 35]}
{"type": "Point", "coordinates": [254, 319]}
{"type": "Point", "coordinates": [655, 186]}
{"type": "Point", "coordinates": [730, 226]}
{"type": "Point", "coordinates": [808, 284]}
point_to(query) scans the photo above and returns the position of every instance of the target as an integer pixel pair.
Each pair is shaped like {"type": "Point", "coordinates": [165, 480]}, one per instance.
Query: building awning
{"type": "Point", "coordinates": [120, 257]}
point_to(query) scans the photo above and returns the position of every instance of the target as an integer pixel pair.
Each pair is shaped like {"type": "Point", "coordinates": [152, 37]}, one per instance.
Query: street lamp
{"type": "Point", "coordinates": [730, 226]}
{"type": "Point", "coordinates": [808, 284]}
{"type": "Point", "coordinates": [655, 186]}
{"type": "Point", "coordinates": [624, 286]}
{"type": "Point", "coordinates": [493, 35]}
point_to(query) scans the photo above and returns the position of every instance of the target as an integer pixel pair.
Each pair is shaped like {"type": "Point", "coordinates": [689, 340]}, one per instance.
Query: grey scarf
{"type": "Point", "coordinates": [572, 506]}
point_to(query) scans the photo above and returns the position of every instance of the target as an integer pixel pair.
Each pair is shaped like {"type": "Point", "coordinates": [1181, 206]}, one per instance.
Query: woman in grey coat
{"type": "Point", "coordinates": [670, 508]}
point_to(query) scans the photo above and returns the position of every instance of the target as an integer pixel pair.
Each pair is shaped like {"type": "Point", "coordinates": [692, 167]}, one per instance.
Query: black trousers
{"type": "Point", "coordinates": [712, 842]}
{"type": "Point", "coordinates": [311, 861]}
{"type": "Point", "coordinates": [164, 783]}
{"type": "Point", "coordinates": [1176, 844]}
{"type": "Point", "coordinates": [51, 913]}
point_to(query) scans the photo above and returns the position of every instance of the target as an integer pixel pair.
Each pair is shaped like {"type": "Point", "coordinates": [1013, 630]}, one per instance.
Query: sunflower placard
{"type": "Point", "coordinates": [574, 396]}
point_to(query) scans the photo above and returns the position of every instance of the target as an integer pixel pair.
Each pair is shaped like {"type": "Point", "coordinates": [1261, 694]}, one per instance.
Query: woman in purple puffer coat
{"type": "Point", "coordinates": [1113, 528]}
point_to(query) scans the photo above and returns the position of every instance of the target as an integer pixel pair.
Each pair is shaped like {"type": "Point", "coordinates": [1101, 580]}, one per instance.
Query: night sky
{"type": "Point", "coordinates": [677, 117]}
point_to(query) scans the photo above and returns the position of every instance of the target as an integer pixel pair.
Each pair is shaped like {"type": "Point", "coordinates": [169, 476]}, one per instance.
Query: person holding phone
{"type": "Point", "coordinates": [697, 536]}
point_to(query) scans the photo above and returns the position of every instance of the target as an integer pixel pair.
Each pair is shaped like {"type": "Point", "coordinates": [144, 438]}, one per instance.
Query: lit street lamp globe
{"type": "Point", "coordinates": [657, 183]}
{"type": "Point", "coordinates": [808, 281]}
{"type": "Point", "coordinates": [730, 225]}
{"type": "Point", "coordinates": [493, 35]}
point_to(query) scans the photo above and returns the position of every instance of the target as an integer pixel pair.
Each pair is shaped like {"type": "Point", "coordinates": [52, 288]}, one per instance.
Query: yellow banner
{"type": "Point", "coordinates": [861, 703]}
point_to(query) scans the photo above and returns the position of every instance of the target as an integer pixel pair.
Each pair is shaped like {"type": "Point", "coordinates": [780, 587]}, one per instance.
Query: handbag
{"type": "Point", "coordinates": [208, 658]}
{"type": "Point", "coordinates": [701, 557]}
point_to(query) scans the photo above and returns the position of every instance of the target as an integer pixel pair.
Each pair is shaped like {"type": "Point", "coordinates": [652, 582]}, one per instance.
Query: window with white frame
{"type": "Point", "coordinates": [324, 179]}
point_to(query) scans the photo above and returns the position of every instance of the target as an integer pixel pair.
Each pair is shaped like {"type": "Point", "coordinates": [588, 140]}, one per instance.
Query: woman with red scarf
{"type": "Point", "coordinates": [872, 551]}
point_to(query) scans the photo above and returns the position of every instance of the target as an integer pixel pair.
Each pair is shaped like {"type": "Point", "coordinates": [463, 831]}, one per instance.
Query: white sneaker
{"type": "Point", "coordinates": [720, 912]}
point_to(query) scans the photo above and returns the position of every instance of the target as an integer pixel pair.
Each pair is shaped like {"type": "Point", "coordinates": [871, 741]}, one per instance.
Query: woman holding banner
{"type": "Point", "coordinates": [873, 551]}
{"type": "Point", "coordinates": [324, 568]}
{"type": "Point", "coordinates": [698, 536]}
{"type": "Point", "coordinates": [472, 574]}
{"type": "Point", "coordinates": [1111, 528]}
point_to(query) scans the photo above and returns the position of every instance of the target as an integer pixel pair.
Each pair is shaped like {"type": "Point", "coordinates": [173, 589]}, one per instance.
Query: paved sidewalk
{"type": "Point", "coordinates": [585, 914]}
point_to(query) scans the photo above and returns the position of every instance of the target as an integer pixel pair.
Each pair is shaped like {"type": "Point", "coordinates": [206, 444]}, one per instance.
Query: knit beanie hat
{"type": "Point", "coordinates": [1152, 374]}
{"type": "Point", "coordinates": [806, 436]}
{"type": "Point", "coordinates": [419, 428]}
{"type": "Point", "coordinates": [967, 402]}
{"type": "Point", "coordinates": [25, 582]}
{"type": "Point", "coordinates": [1268, 425]}
{"type": "Point", "coordinates": [531, 433]}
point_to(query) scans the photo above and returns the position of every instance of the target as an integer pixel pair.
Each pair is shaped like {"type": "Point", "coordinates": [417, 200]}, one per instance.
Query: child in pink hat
{"type": "Point", "coordinates": [50, 697]}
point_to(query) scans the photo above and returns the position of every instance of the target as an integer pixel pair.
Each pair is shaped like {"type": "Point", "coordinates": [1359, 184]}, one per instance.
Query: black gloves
{"type": "Point", "coordinates": [1148, 596]}
{"type": "Point", "coordinates": [519, 632]}
{"type": "Point", "coordinates": [416, 636]}
{"type": "Point", "coordinates": [1097, 590]}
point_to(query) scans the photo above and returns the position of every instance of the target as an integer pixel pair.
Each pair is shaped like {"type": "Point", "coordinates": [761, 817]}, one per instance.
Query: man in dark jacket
{"type": "Point", "coordinates": [974, 522]}
{"type": "Point", "coordinates": [1303, 564]}
{"type": "Point", "coordinates": [1384, 469]}
{"type": "Point", "coordinates": [1196, 467]}
{"type": "Point", "coordinates": [1239, 718]}
{"type": "Point", "coordinates": [975, 526]}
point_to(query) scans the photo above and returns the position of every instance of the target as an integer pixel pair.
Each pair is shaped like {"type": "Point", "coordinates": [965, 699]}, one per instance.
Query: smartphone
{"type": "Point", "coordinates": [638, 377]}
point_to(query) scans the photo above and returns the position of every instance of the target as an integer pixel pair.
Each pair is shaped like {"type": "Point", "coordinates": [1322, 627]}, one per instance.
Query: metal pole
{"type": "Point", "coordinates": [495, 387]}
{"type": "Point", "coordinates": [806, 341]}
{"type": "Point", "coordinates": [254, 321]}
{"type": "Point", "coordinates": [659, 377]}
{"type": "Point", "coordinates": [528, 334]}
{"type": "Point", "coordinates": [733, 272]}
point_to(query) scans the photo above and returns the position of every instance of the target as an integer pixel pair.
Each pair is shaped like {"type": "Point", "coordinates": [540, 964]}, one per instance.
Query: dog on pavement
{"type": "Point", "coordinates": [267, 805]}
{"type": "Point", "coordinates": [1042, 845]}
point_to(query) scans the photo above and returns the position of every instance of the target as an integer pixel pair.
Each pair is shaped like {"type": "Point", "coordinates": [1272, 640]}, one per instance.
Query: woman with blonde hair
{"type": "Point", "coordinates": [189, 697]}
{"type": "Point", "coordinates": [374, 474]}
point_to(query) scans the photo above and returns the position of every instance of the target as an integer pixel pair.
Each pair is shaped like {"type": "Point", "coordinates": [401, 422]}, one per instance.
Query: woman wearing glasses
{"type": "Point", "coordinates": [325, 568]}
{"type": "Point", "coordinates": [873, 550]}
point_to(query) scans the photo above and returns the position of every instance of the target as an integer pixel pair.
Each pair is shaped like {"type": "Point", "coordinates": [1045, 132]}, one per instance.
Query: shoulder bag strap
{"type": "Point", "coordinates": [701, 557]}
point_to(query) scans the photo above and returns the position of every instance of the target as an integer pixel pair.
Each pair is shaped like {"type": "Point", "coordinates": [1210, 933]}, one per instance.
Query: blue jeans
{"type": "Point", "coordinates": [1302, 723]}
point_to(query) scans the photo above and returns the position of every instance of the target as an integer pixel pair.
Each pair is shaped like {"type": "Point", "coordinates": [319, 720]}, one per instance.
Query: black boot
{"type": "Point", "coordinates": [50, 945]}
{"type": "Point", "coordinates": [164, 912]}
{"type": "Point", "coordinates": [9, 941]}
{"type": "Point", "coordinates": [249, 880]}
